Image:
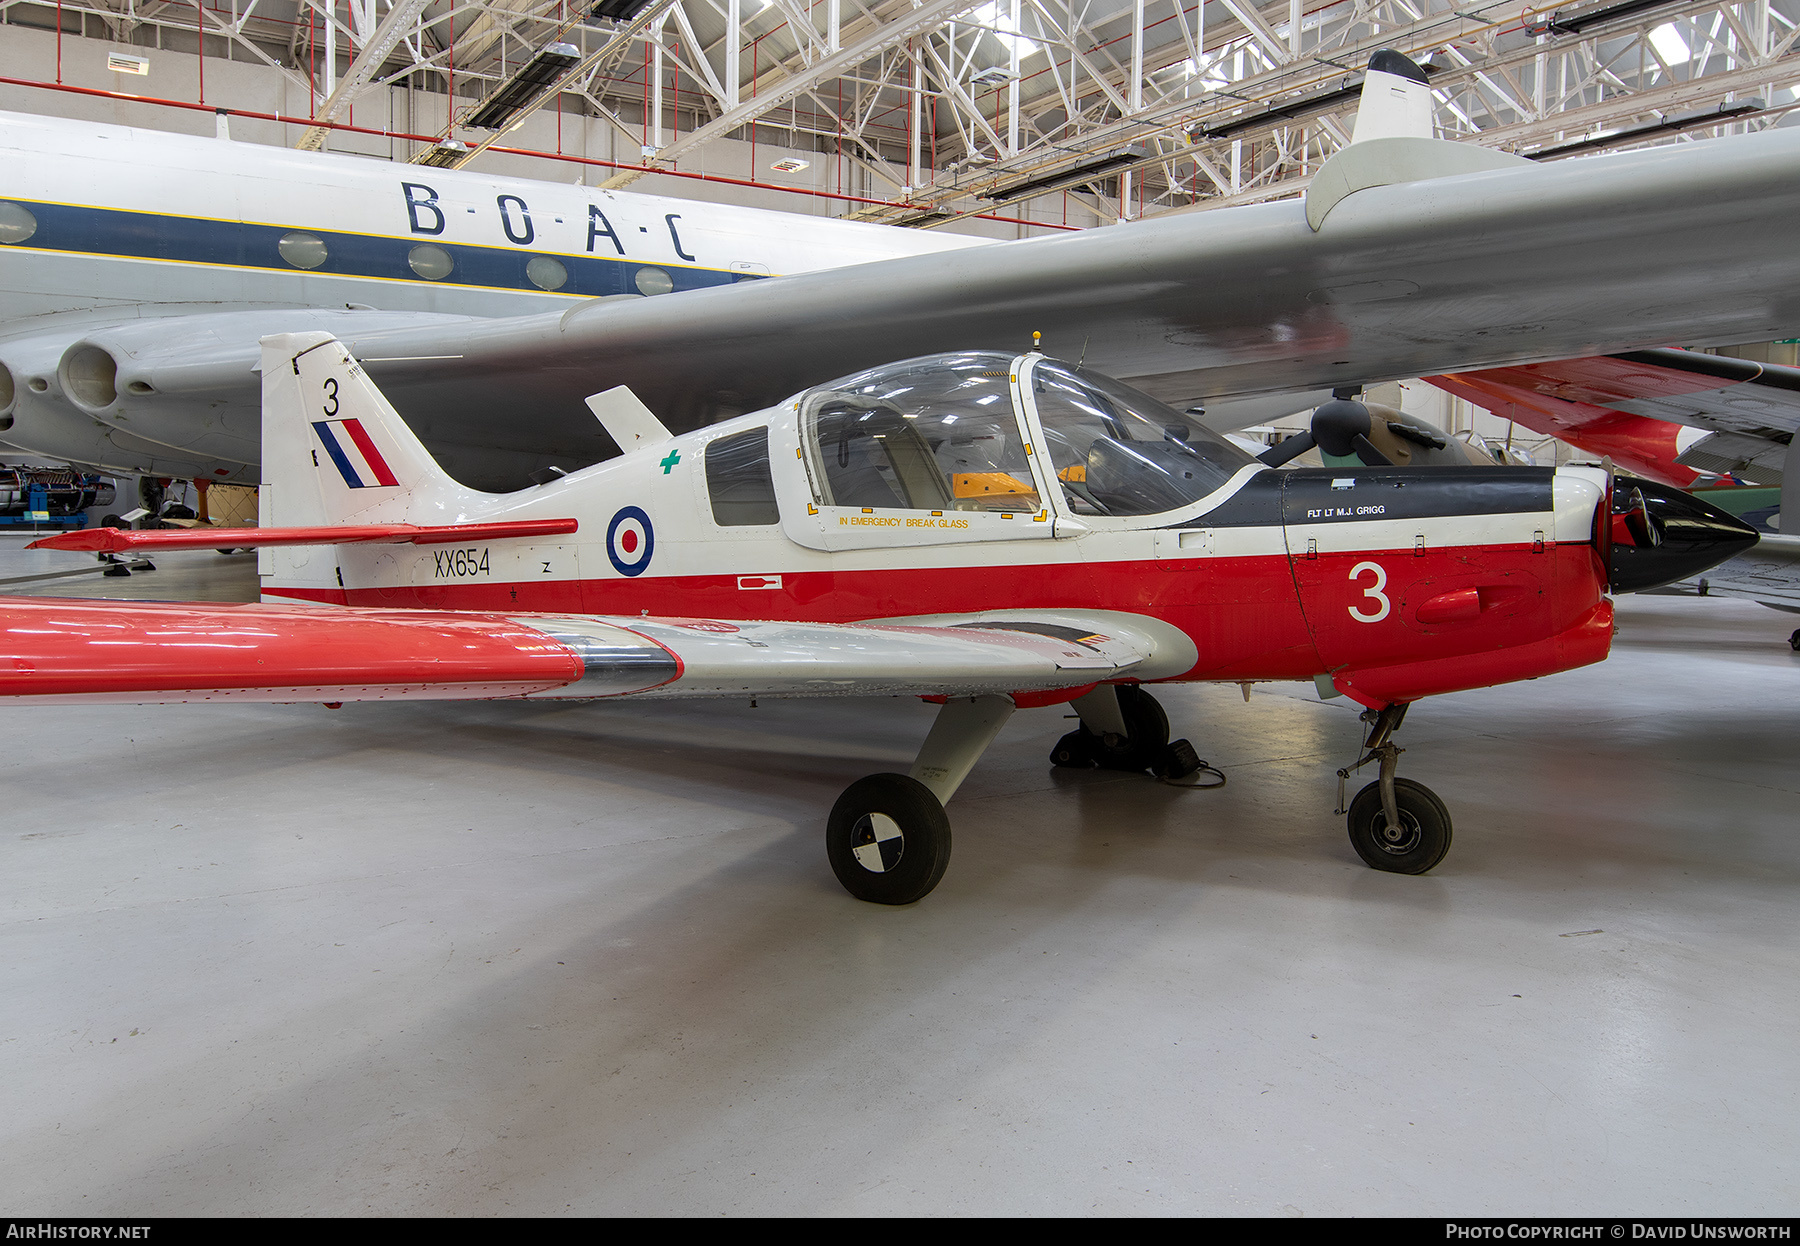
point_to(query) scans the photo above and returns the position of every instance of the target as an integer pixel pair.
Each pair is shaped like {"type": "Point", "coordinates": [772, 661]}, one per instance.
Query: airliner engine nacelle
{"type": "Point", "coordinates": [145, 376]}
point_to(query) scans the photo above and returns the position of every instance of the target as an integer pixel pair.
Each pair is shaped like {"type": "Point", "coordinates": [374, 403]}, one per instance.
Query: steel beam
{"type": "Point", "coordinates": [363, 69]}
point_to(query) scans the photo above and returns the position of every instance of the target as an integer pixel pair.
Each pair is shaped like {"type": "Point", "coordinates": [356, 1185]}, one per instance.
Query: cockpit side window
{"type": "Point", "coordinates": [938, 434]}
{"type": "Point", "coordinates": [1116, 451]}
{"type": "Point", "coordinates": [738, 480]}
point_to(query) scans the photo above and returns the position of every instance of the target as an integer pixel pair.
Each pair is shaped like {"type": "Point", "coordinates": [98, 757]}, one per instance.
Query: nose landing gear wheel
{"type": "Point", "coordinates": [1420, 841]}
{"type": "Point", "coordinates": [888, 839]}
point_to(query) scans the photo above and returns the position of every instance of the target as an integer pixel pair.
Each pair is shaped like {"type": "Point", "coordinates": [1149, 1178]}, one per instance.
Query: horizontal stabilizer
{"type": "Point", "coordinates": [119, 540]}
{"type": "Point", "coordinates": [1632, 406]}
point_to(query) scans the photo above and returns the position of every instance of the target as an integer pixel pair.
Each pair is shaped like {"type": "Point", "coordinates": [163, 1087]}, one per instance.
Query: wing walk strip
{"type": "Point", "coordinates": [61, 650]}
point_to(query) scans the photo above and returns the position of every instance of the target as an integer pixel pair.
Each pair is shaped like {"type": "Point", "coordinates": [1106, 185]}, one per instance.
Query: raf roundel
{"type": "Point", "coordinates": [630, 541]}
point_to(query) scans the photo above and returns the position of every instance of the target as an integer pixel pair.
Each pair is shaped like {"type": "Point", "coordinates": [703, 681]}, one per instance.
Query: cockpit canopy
{"type": "Point", "coordinates": [1117, 451]}
{"type": "Point", "coordinates": [941, 433]}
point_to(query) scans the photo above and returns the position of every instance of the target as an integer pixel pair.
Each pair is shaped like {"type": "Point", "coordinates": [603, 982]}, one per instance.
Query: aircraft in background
{"type": "Point", "coordinates": [992, 530]}
{"type": "Point", "coordinates": [1683, 418]}
{"type": "Point", "coordinates": [129, 254]}
{"type": "Point", "coordinates": [156, 272]}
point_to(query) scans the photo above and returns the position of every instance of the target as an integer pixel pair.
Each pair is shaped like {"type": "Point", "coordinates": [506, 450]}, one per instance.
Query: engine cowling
{"type": "Point", "coordinates": [1660, 535]}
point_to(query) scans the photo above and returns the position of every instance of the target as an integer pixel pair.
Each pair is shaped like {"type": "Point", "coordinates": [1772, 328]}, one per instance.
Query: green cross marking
{"type": "Point", "coordinates": [668, 464]}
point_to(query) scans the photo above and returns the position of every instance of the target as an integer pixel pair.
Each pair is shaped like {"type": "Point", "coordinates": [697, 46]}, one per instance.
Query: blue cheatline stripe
{"type": "Point", "coordinates": [323, 428]}
{"type": "Point", "coordinates": [147, 235]}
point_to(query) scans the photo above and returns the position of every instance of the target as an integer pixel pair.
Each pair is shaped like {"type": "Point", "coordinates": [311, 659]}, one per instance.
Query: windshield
{"type": "Point", "coordinates": [1116, 451]}
{"type": "Point", "coordinates": [936, 433]}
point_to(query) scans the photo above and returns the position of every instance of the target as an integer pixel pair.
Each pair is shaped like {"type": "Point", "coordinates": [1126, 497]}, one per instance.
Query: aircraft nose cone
{"type": "Point", "coordinates": [1661, 535]}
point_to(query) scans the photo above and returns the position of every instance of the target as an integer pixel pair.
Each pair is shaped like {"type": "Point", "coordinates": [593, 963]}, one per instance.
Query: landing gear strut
{"type": "Point", "coordinates": [1122, 728]}
{"type": "Point", "coordinates": [1395, 824]}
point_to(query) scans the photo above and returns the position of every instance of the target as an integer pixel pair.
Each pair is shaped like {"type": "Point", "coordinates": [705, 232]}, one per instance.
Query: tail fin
{"type": "Point", "coordinates": [334, 450]}
{"type": "Point", "coordinates": [1396, 102]}
{"type": "Point", "coordinates": [1393, 141]}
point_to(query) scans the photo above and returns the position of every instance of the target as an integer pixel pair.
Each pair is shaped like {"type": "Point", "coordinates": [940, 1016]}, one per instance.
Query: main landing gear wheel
{"type": "Point", "coordinates": [1794, 641]}
{"type": "Point", "coordinates": [1146, 737]}
{"type": "Point", "coordinates": [888, 839]}
{"type": "Point", "coordinates": [1420, 841]}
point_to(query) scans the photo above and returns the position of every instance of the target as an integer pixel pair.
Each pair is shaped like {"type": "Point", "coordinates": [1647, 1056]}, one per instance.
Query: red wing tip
{"type": "Point", "coordinates": [89, 541]}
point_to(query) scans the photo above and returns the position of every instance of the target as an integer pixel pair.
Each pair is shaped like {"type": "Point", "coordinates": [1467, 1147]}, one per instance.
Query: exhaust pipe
{"type": "Point", "coordinates": [89, 376]}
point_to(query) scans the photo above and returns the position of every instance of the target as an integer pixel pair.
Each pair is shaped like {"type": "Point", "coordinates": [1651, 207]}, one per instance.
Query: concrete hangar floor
{"type": "Point", "coordinates": [550, 959]}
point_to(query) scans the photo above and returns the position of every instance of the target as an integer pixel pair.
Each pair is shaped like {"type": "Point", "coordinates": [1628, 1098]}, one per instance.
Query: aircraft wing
{"type": "Point", "coordinates": [1504, 265]}
{"type": "Point", "coordinates": [79, 650]}
{"type": "Point", "coordinates": [1750, 410]}
{"type": "Point", "coordinates": [1529, 262]}
{"type": "Point", "coordinates": [1769, 573]}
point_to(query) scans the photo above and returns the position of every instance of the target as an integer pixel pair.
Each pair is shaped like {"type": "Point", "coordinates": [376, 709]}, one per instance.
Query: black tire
{"type": "Point", "coordinates": [903, 855]}
{"type": "Point", "coordinates": [1424, 838]}
{"type": "Point", "coordinates": [1147, 729]}
{"type": "Point", "coordinates": [112, 521]}
{"type": "Point", "coordinates": [1075, 750]}
{"type": "Point", "coordinates": [1794, 641]}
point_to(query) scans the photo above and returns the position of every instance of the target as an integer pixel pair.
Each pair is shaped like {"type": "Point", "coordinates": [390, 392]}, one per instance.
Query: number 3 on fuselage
{"type": "Point", "coordinates": [1362, 616]}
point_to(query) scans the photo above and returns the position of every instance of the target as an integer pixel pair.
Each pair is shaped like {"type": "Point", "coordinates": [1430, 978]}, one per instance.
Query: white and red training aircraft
{"type": "Point", "coordinates": [991, 530]}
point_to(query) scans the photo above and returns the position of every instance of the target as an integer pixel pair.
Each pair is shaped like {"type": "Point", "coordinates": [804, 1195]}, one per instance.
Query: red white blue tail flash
{"type": "Point", "coordinates": [353, 450]}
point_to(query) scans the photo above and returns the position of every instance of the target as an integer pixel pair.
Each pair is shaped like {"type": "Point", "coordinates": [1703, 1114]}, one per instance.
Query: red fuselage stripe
{"type": "Point", "coordinates": [1260, 618]}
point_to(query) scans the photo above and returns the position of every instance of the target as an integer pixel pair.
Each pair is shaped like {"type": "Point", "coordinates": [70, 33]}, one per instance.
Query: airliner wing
{"type": "Point", "coordinates": [1499, 266]}
{"type": "Point", "coordinates": [1505, 265]}
{"type": "Point", "coordinates": [77, 650]}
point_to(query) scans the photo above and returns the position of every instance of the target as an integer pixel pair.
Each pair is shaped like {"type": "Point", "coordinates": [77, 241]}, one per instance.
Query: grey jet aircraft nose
{"type": "Point", "coordinates": [1661, 535]}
